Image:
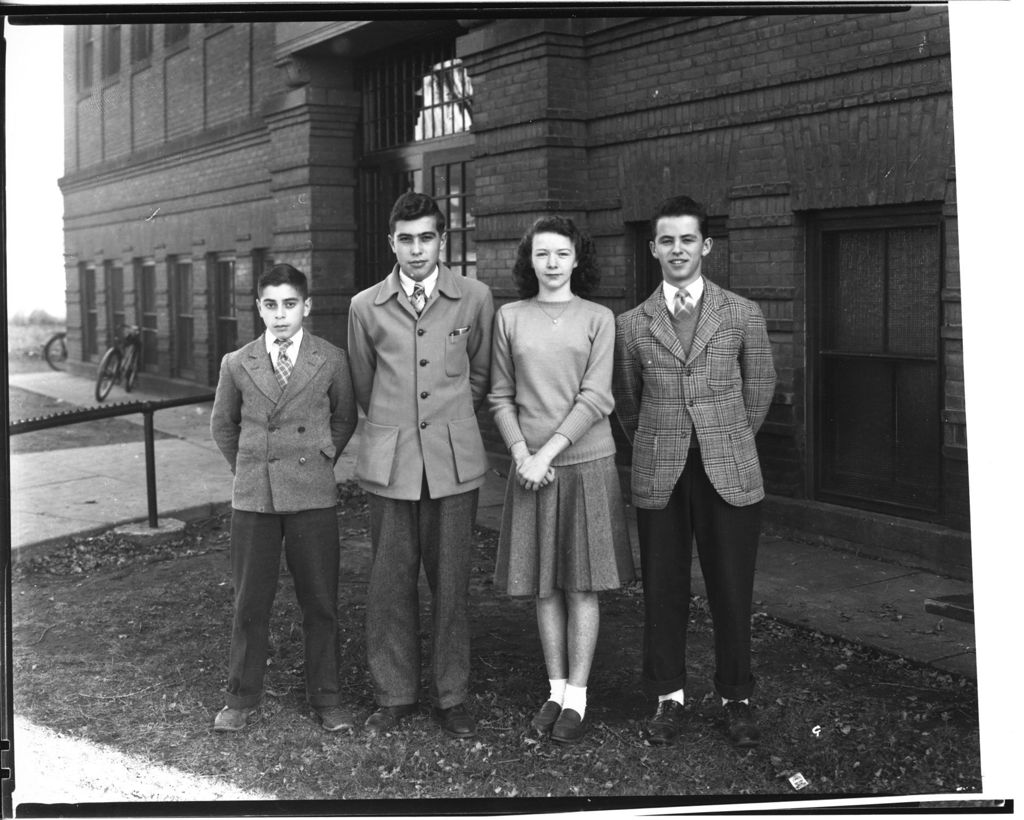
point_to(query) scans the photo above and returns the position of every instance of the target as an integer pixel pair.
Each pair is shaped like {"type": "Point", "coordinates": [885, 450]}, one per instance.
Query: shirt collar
{"type": "Point", "coordinates": [696, 290]}
{"type": "Point", "coordinates": [408, 283]}
{"type": "Point", "coordinates": [293, 351]}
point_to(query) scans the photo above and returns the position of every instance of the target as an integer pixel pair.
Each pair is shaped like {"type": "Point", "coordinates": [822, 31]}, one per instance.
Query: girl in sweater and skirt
{"type": "Point", "coordinates": [563, 531]}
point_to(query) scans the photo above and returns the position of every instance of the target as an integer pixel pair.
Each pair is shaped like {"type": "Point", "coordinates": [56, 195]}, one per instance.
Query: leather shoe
{"type": "Point", "coordinates": [333, 718]}
{"type": "Point", "coordinates": [386, 717]}
{"type": "Point", "coordinates": [663, 728]}
{"type": "Point", "coordinates": [740, 725]}
{"type": "Point", "coordinates": [455, 721]}
{"type": "Point", "coordinates": [232, 720]}
{"type": "Point", "coordinates": [569, 727]}
{"type": "Point", "coordinates": [546, 717]}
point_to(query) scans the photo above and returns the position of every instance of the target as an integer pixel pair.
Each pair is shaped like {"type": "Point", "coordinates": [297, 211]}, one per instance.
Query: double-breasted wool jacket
{"type": "Point", "coordinates": [282, 444]}
{"type": "Point", "coordinates": [420, 380]}
{"type": "Point", "coordinates": [721, 392]}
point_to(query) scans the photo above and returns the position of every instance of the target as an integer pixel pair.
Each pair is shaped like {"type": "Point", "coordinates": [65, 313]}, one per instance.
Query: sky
{"type": "Point", "coordinates": [34, 125]}
{"type": "Point", "coordinates": [986, 71]}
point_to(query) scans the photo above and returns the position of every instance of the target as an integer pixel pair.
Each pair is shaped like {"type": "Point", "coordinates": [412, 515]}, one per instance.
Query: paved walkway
{"type": "Point", "coordinates": [69, 492]}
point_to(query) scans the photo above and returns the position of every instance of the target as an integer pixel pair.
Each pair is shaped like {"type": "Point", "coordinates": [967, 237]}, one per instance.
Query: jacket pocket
{"type": "Point", "coordinates": [456, 358]}
{"type": "Point", "coordinates": [744, 453]}
{"type": "Point", "coordinates": [376, 457]}
{"type": "Point", "coordinates": [468, 449]}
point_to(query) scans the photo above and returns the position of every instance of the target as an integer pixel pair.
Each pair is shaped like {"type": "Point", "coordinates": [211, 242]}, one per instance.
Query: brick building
{"type": "Point", "coordinates": [822, 145]}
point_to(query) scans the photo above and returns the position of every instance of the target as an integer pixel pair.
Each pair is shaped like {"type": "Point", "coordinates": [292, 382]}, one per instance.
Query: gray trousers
{"type": "Point", "coordinates": [437, 532]}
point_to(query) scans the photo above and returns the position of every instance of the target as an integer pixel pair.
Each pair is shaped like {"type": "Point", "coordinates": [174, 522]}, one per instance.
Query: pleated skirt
{"type": "Point", "coordinates": [570, 535]}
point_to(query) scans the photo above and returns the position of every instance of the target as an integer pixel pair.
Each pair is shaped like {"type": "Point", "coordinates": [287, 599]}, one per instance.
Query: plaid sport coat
{"type": "Point", "coordinates": [725, 386]}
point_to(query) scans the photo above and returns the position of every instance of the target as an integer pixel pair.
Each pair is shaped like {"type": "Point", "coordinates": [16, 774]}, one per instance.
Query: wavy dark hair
{"type": "Point", "coordinates": [585, 277]}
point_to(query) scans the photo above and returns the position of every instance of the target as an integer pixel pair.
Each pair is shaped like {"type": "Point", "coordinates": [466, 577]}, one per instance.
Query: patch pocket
{"type": "Point", "coordinates": [456, 359]}
{"type": "Point", "coordinates": [376, 458]}
{"type": "Point", "coordinates": [467, 449]}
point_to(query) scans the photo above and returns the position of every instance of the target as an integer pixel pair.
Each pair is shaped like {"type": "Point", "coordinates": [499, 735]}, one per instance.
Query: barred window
{"type": "Point", "coordinates": [142, 42]}
{"type": "Point", "coordinates": [414, 96]}
{"type": "Point", "coordinates": [86, 53]}
{"type": "Point", "coordinates": [174, 33]}
{"type": "Point", "coordinates": [111, 51]}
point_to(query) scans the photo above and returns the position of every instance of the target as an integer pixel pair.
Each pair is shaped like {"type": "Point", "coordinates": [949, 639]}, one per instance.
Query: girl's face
{"type": "Point", "coordinates": [554, 260]}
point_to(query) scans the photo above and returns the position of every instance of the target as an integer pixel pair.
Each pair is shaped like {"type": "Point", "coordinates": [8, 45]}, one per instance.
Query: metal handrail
{"type": "Point", "coordinates": [125, 408]}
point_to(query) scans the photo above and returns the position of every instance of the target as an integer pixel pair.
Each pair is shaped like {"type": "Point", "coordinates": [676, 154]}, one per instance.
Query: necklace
{"type": "Point", "coordinates": [554, 318]}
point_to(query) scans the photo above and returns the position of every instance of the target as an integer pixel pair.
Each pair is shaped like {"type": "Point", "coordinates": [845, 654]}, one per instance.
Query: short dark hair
{"type": "Point", "coordinates": [584, 278]}
{"type": "Point", "coordinates": [284, 274]}
{"type": "Point", "coordinates": [680, 206]}
{"type": "Point", "coordinates": [411, 206]}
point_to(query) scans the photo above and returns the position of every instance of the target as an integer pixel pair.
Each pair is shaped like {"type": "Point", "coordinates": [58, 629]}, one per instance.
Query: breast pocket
{"type": "Point", "coordinates": [456, 356]}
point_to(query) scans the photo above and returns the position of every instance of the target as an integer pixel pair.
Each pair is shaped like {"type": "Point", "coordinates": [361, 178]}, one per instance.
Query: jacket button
{"type": "Point", "coordinates": [424, 395]}
{"type": "Point", "coordinates": [272, 459]}
{"type": "Point", "coordinates": [272, 429]}
{"type": "Point", "coordinates": [302, 459]}
{"type": "Point", "coordinates": [424, 362]}
{"type": "Point", "coordinates": [423, 425]}
{"type": "Point", "coordinates": [420, 331]}
{"type": "Point", "coordinates": [302, 429]}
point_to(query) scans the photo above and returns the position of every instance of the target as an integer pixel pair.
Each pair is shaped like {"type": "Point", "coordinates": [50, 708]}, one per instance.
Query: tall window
{"type": "Point", "coordinates": [225, 318]}
{"type": "Point", "coordinates": [115, 301]}
{"type": "Point", "coordinates": [111, 51]}
{"type": "Point", "coordinates": [145, 308]}
{"type": "Point", "coordinates": [416, 125]}
{"type": "Point", "coordinates": [175, 33]}
{"type": "Point", "coordinates": [877, 368]}
{"type": "Point", "coordinates": [87, 284]}
{"type": "Point", "coordinates": [86, 55]}
{"type": "Point", "coordinates": [142, 41]}
{"type": "Point", "coordinates": [184, 319]}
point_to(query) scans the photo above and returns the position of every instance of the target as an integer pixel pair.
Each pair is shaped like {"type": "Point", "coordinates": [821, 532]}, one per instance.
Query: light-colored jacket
{"type": "Point", "coordinates": [420, 381]}
{"type": "Point", "coordinates": [725, 386]}
{"type": "Point", "coordinates": [282, 445]}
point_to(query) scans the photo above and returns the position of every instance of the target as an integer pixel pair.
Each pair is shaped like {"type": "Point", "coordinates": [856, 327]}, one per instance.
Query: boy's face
{"type": "Point", "coordinates": [282, 310]}
{"type": "Point", "coordinates": [680, 249]}
{"type": "Point", "coordinates": [417, 245]}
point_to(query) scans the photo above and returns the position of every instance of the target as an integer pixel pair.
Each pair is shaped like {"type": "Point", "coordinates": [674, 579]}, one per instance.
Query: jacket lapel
{"type": "Point", "coordinates": [709, 320]}
{"type": "Point", "coordinates": [661, 324]}
{"type": "Point", "coordinates": [257, 364]}
{"type": "Point", "coordinates": [311, 359]}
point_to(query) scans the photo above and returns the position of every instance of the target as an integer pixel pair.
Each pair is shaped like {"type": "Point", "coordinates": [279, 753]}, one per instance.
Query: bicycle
{"type": "Point", "coordinates": [55, 351]}
{"type": "Point", "coordinates": [120, 361]}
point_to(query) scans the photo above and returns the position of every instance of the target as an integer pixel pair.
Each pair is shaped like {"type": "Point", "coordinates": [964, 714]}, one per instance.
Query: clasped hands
{"type": "Point", "coordinates": [533, 470]}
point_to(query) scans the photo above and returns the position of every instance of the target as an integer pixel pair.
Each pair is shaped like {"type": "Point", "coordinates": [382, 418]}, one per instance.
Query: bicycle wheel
{"type": "Point", "coordinates": [110, 372]}
{"type": "Point", "coordinates": [55, 351]}
{"type": "Point", "coordinates": [131, 368]}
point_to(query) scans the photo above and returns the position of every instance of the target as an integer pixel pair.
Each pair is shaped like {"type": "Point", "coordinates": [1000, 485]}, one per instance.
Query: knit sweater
{"type": "Point", "coordinates": [554, 377]}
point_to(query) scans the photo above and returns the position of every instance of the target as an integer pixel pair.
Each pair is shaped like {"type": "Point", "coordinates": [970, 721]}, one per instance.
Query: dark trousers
{"type": "Point", "coordinates": [438, 532]}
{"type": "Point", "coordinates": [727, 539]}
{"type": "Point", "coordinates": [311, 552]}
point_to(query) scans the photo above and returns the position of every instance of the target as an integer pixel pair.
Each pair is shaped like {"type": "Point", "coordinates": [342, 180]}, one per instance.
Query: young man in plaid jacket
{"type": "Point", "coordinates": [693, 382]}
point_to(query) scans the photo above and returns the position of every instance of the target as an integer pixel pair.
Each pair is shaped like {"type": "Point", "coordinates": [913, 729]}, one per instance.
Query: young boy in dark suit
{"type": "Point", "coordinates": [283, 413]}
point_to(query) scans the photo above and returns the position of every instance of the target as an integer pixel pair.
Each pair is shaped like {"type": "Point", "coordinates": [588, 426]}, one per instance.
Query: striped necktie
{"type": "Point", "coordinates": [283, 365]}
{"type": "Point", "coordinates": [418, 298]}
{"type": "Point", "coordinates": [683, 303]}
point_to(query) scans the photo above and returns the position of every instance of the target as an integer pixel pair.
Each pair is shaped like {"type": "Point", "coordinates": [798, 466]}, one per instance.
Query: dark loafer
{"type": "Point", "coordinates": [334, 718]}
{"type": "Point", "coordinates": [232, 720]}
{"type": "Point", "coordinates": [455, 721]}
{"type": "Point", "coordinates": [569, 727]}
{"type": "Point", "coordinates": [546, 717]}
{"type": "Point", "coordinates": [663, 728]}
{"type": "Point", "coordinates": [740, 725]}
{"type": "Point", "coordinates": [386, 718]}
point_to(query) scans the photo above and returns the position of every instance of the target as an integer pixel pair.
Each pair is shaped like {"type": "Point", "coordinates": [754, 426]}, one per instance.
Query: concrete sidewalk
{"type": "Point", "coordinates": [62, 493]}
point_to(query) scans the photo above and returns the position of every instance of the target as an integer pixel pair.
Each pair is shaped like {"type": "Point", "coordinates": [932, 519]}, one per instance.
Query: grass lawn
{"type": "Point", "coordinates": [125, 646]}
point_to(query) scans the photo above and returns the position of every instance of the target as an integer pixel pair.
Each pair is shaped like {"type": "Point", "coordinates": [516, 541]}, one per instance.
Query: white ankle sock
{"type": "Point", "coordinates": [676, 696]}
{"type": "Point", "coordinates": [575, 698]}
{"type": "Point", "coordinates": [557, 689]}
{"type": "Point", "coordinates": [745, 700]}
